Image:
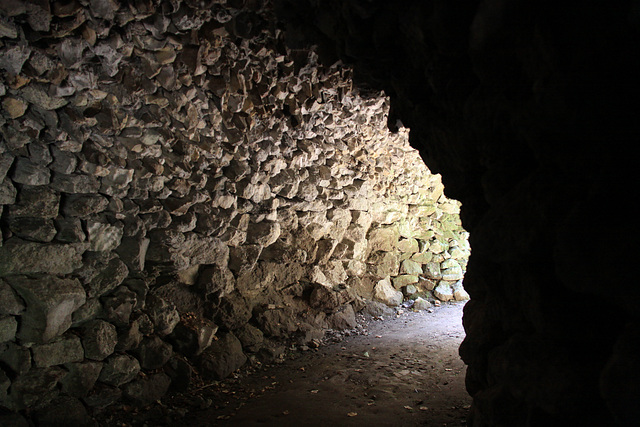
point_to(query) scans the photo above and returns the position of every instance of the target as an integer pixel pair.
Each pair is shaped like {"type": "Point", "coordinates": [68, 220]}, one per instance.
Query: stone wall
{"type": "Point", "coordinates": [180, 191]}
{"type": "Point", "coordinates": [529, 111]}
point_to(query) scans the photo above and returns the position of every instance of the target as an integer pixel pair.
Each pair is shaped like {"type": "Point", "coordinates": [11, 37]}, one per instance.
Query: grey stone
{"type": "Point", "coordinates": [164, 315]}
{"type": "Point", "coordinates": [234, 311]}
{"type": "Point", "coordinates": [99, 339]}
{"type": "Point", "coordinates": [214, 279]}
{"type": "Point", "coordinates": [222, 358]}
{"type": "Point", "coordinates": [404, 280]}
{"type": "Point", "coordinates": [250, 337]}
{"type": "Point", "coordinates": [75, 183]}
{"type": "Point", "coordinates": [39, 153]}
{"type": "Point", "coordinates": [192, 337]}
{"type": "Point", "coordinates": [345, 318]}
{"type": "Point", "coordinates": [205, 250]}
{"type": "Point", "coordinates": [119, 369]}
{"type": "Point", "coordinates": [10, 303]}
{"type": "Point", "coordinates": [328, 298]}
{"type": "Point", "coordinates": [37, 95]}
{"type": "Point", "coordinates": [69, 230]}
{"type": "Point", "coordinates": [36, 202]}
{"type": "Point", "coordinates": [88, 311]}
{"type": "Point", "coordinates": [244, 258]}
{"type": "Point", "coordinates": [408, 246]}
{"type": "Point", "coordinates": [7, 192]}
{"type": "Point", "coordinates": [264, 233]}
{"type": "Point", "coordinates": [386, 294]}
{"type": "Point", "coordinates": [147, 390]}
{"type": "Point", "coordinates": [443, 291]}
{"type": "Point", "coordinates": [432, 271]}
{"type": "Point", "coordinates": [421, 304]}
{"type": "Point", "coordinates": [64, 411]}
{"type": "Point", "coordinates": [8, 329]}
{"type": "Point", "coordinates": [50, 302]}
{"type": "Point", "coordinates": [18, 256]}
{"type": "Point", "coordinates": [65, 349]}
{"type": "Point", "coordinates": [14, 58]}
{"type": "Point", "coordinates": [102, 396]}
{"type": "Point", "coordinates": [153, 353]}
{"type": "Point", "coordinates": [84, 205]}
{"type": "Point", "coordinates": [104, 237]}
{"type": "Point", "coordinates": [409, 290]}
{"type": "Point", "coordinates": [119, 306]}
{"type": "Point", "coordinates": [109, 277]}
{"type": "Point", "coordinates": [459, 293]}
{"type": "Point", "coordinates": [16, 358]}
{"type": "Point", "coordinates": [64, 162]}
{"type": "Point", "coordinates": [36, 388]}
{"type": "Point", "coordinates": [133, 251]}
{"type": "Point", "coordinates": [35, 229]}
{"type": "Point", "coordinates": [411, 267]}
{"type": "Point", "coordinates": [81, 378]}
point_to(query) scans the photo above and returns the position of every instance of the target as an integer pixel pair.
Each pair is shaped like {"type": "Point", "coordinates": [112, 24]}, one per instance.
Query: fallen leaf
{"type": "Point", "coordinates": [408, 407]}
{"type": "Point", "coordinates": [315, 391]}
{"type": "Point", "coordinates": [424, 408]}
{"type": "Point", "coordinates": [352, 414]}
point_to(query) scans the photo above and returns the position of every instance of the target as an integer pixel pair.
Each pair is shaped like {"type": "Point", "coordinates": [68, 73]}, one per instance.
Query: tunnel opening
{"type": "Point", "coordinates": [183, 195]}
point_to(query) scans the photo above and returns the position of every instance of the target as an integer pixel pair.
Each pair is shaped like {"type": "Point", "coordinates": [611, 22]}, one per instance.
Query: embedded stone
{"type": "Point", "coordinates": [263, 233]}
{"type": "Point", "coordinates": [35, 229]}
{"type": "Point", "coordinates": [411, 267]}
{"type": "Point", "coordinates": [10, 303]}
{"type": "Point", "coordinates": [147, 390]}
{"type": "Point", "coordinates": [29, 173]}
{"type": "Point", "coordinates": [404, 280]}
{"type": "Point", "coordinates": [250, 336]}
{"type": "Point", "coordinates": [408, 246]}
{"type": "Point", "coordinates": [107, 278]}
{"type": "Point", "coordinates": [36, 202]}
{"type": "Point", "coordinates": [119, 369]}
{"type": "Point", "coordinates": [222, 358]}
{"type": "Point", "coordinates": [75, 183]}
{"type": "Point", "coordinates": [164, 315]}
{"type": "Point", "coordinates": [421, 304]}
{"type": "Point", "coordinates": [64, 411]}
{"type": "Point", "coordinates": [84, 205]}
{"type": "Point", "coordinates": [191, 338]}
{"type": "Point", "coordinates": [345, 318]}
{"type": "Point", "coordinates": [7, 192]}
{"type": "Point", "coordinates": [233, 312]}
{"type": "Point", "coordinates": [104, 237]}
{"type": "Point", "coordinates": [63, 350]}
{"type": "Point", "coordinates": [14, 107]}
{"type": "Point", "coordinates": [443, 291]}
{"type": "Point", "coordinates": [16, 358]}
{"type": "Point", "coordinates": [50, 303]}
{"type": "Point", "coordinates": [153, 353]}
{"type": "Point", "coordinates": [99, 339]}
{"type": "Point", "coordinates": [69, 230]}
{"type": "Point", "coordinates": [36, 388]}
{"type": "Point", "coordinates": [8, 329]}
{"type": "Point", "coordinates": [459, 293]}
{"type": "Point", "coordinates": [81, 378]}
{"type": "Point", "coordinates": [386, 294]}
{"type": "Point", "coordinates": [432, 271]}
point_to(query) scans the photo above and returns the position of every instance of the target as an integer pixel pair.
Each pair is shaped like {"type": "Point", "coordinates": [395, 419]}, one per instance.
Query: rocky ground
{"type": "Point", "coordinates": [399, 370]}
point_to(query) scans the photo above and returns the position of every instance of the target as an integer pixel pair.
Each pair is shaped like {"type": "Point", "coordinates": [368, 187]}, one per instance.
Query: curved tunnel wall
{"type": "Point", "coordinates": [180, 191]}
{"type": "Point", "coordinates": [529, 111]}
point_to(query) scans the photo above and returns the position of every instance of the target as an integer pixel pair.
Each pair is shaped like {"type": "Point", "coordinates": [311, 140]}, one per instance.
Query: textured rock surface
{"type": "Point", "coordinates": [172, 177]}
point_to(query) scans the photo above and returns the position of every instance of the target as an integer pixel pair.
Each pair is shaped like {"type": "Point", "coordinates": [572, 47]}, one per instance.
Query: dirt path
{"type": "Point", "coordinates": [405, 372]}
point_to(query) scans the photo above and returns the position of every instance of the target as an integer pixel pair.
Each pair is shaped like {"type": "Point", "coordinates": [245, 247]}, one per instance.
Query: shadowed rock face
{"type": "Point", "coordinates": [179, 189]}
{"type": "Point", "coordinates": [529, 112]}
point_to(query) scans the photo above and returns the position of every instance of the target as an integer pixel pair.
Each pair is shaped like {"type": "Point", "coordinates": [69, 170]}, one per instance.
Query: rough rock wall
{"type": "Point", "coordinates": [529, 111]}
{"type": "Point", "coordinates": [179, 190]}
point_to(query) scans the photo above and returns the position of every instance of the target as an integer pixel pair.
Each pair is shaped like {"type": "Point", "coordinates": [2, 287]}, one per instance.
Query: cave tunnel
{"type": "Point", "coordinates": [184, 180]}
